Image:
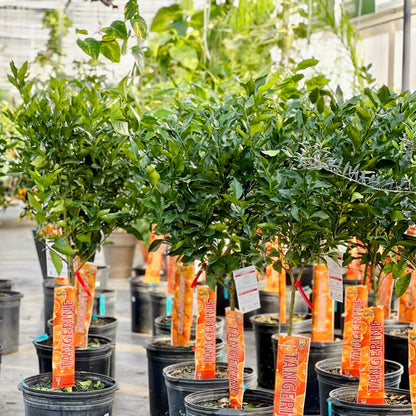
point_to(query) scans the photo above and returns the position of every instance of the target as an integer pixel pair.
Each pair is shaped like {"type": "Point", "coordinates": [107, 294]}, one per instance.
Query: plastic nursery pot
{"type": "Point", "coordinates": [264, 326]}
{"type": "Point", "coordinates": [163, 325]}
{"type": "Point", "coordinates": [57, 403]}
{"type": "Point", "coordinates": [160, 354]}
{"type": "Point", "coordinates": [41, 252]}
{"type": "Point", "coordinates": [102, 326]}
{"type": "Point", "coordinates": [9, 320]}
{"type": "Point", "coordinates": [104, 302]}
{"type": "Point", "coordinates": [396, 348]}
{"type": "Point", "coordinates": [119, 254]}
{"type": "Point", "coordinates": [179, 385]}
{"type": "Point", "coordinates": [94, 360]}
{"type": "Point", "coordinates": [339, 406]}
{"type": "Point", "coordinates": [5, 284]}
{"type": "Point", "coordinates": [103, 274]}
{"type": "Point", "coordinates": [328, 380]}
{"type": "Point", "coordinates": [158, 303]}
{"type": "Point", "coordinates": [318, 351]}
{"type": "Point", "coordinates": [141, 313]}
{"type": "Point", "coordinates": [197, 403]}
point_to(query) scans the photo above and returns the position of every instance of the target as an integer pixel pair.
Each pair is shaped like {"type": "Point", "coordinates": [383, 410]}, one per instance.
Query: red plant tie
{"type": "Point", "coordinates": [194, 282]}
{"type": "Point", "coordinates": [78, 275]}
{"type": "Point", "coordinates": [303, 294]}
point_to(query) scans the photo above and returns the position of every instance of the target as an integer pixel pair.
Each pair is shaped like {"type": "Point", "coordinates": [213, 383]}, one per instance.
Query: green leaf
{"type": "Point", "coordinates": [111, 50]}
{"type": "Point", "coordinates": [130, 9]}
{"type": "Point", "coordinates": [81, 31]}
{"type": "Point", "coordinates": [61, 247]}
{"type": "Point", "coordinates": [271, 153]}
{"type": "Point", "coordinates": [90, 46]}
{"type": "Point", "coordinates": [33, 202]}
{"type": "Point", "coordinates": [155, 244]}
{"type": "Point", "coordinates": [153, 175]}
{"type": "Point", "coordinates": [39, 161]}
{"type": "Point", "coordinates": [138, 56]}
{"type": "Point", "coordinates": [236, 188]}
{"type": "Point", "coordinates": [307, 63]}
{"type": "Point", "coordinates": [139, 27]}
{"type": "Point", "coordinates": [356, 196]}
{"type": "Point", "coordinates": [402, 284]}
{"type": "Point", "coordinates": [186, 55]}
{"type": "Point", "coordinates": [57, 261]}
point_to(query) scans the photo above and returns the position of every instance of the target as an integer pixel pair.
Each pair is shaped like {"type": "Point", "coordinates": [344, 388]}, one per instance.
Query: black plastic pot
{"type": "Point", "coordinates": [41, 251]}
{"type": "Point", "coordinates": [48, 288]}
{"type": "Point", "coordinates": [318, 351]}
{"type": "Point", "coordinates": [141, 313]}
{"type": "Point", "coordinates": [57, 403]}
{"type": "Point", "coordinates": [329, 381]}
{"type": "Point", "coordinates": [194, 403]}
{"type": "Point", "coordinates": [9, 320]}
{"type": "Point", "coordinates": [163, 325]}
{"type": "Point", "coordinates": [263, 332]}
{"type": "Point", "coordinates": [5, 284]}
{"type": "Point", "coordinates": [340, 407]}
{"type": "Point", "coordinates": [158, 302]}
{"type": "Point", "coordinates": [103, 274]}
{"type": "Point", "coordinates": [159, 355]}
{"type": "Point", "coordinates": [178, 387]}
{"type": "Point", "coordinates": [93, 360]}
{"type": "Point", "coordinates": [104, 302]}
{"type": "Point", "coordinates": [396, 348]}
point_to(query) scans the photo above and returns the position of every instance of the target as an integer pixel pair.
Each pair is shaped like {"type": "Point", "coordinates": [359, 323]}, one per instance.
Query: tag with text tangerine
{"type": "Point", "coordinates": [412, 367]}
{"type": "Point", "coordinates": [371, 386]}
{"type": "Point", "coordinates": [205, 333]}
{"type": "Point", "coordinates": [84, 299]}
{"type": "Point", "coordinates": [154, 261]}
{"type": "Point", "coordinates": [323, 306]}
{"type": "Point", "coordinates": [182, 305]}
{"type": "Point", "coordinates": [291, 375]}
{"type": "Point", "coordinates": [63, 349]}
{"type": "Point", "coordinates": [234, 326]}
{"type": "Point", "coordinates": [407, 302]}
{"type": "Point", "coordinates": [356, 299]}
{"type": "Point", "coordinates": [385, 292]}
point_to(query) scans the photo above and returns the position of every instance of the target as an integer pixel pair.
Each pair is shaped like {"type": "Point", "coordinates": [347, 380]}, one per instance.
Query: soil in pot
{"type": "Point", "coordinates": [9, 320]}
{"type": "Point", "coordinates": [97, 358]}
{"type": "Point", "coordinates": [180, 381]}
{"type": "Point", "coordinates": [329, 377]}
{"type": "Point", "coordinates": [215, 402]}
{"type": "Point", "coordinates": [264, 326]}
{"type": "Point", "coordinates": [96, 402]}
{"type": "Point", "coordinates": [343, 402]}
{"type": "Point", "coordinates": [160, 354]}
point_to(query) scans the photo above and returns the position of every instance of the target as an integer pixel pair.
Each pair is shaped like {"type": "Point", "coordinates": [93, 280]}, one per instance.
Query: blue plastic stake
{"type": "Point", "coordinates": [169, 302]}
{"type": "Point", "coordinates": [225, 293]}
{"type": "Point", "coordinates": [329, 408]}
{"type": "Point", "coordinates": [41, 338]}
{"type": "Point", "coordinates": [102, 305]}
{"type": "Point", "coordinates": [23, 383]}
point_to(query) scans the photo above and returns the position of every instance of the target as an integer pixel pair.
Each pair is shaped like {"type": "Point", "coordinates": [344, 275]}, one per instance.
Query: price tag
{"type": "Point", "coordinates": [51, 269]}
{"type": "Point", "coordinates": [247, 289]}
{"type": "Point", "coordinates": [335, 278]}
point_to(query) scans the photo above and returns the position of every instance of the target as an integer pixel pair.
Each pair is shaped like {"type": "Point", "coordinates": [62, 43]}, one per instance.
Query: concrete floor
{"type": "Point", "coordinates": [18, 262]}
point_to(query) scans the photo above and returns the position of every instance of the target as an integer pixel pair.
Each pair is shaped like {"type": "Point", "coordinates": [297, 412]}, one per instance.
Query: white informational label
{"type": "Point", "coordinates": [51, 269]}
{"type": "Point", "coordinates": [247, 289]}
{"type": "Point", "coordinates": [335, 278]}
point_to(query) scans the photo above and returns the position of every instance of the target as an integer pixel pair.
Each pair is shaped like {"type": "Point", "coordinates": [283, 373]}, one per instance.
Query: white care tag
{"type": "Point", "coordinates": [247, 289]}
{"type": "Point", "coordinates": [51, 269]}
{"type": "Point", "coordinates": [335, 278]}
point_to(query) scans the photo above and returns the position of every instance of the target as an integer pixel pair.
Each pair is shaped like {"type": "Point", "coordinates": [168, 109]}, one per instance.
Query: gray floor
{"type": "Point", "coordinates": [18, 262]}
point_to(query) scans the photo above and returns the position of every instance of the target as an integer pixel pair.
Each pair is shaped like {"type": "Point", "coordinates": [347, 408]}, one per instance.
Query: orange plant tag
{"type": "Point", "coordinates": [282, 296]}
{"type": "Point", "coordinates": [356, 299]}
{"type": "Point", "coordinates": [407, 305]}
{"type": "Point", "coordinates": [63, 349]}
{"type": "Point", "coordinates": [354, 269]}
{"type": "Point", "coordinates": [172, 261]}
{"type": "Point", "coordinates": [205, 333]}
{"type": "Point", "coordinates": [84, 296]}
{"type": "Point", "coordinates": [291, 375]}
{"type": "Point", "coordinates": [323, 306]}
{"type": "Point", "coordinates": [154, 261]}
{"type": "Point", "coordinates": [385, 291]}
{"type": "Point", "coordinates": [182, 305]}
{"type": "Point", "coordinates": [272, 279]}
{"type": "Point", "coordinates": [371, 386]}
{"type": "Point", "coordinates": [234, 326]}
{"type": "Point", "coordinates": [412, 367]}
